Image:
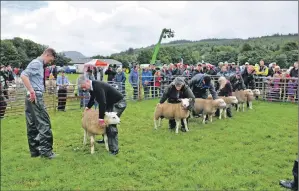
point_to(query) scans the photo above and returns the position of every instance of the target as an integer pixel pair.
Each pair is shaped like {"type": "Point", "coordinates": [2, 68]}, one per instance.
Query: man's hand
{"type": "Point", "coordinates": [101, 122]}
{"type": "Point", "coordinates": [32, 96]}
{"type": "Point", "coordinates": [86, 108]}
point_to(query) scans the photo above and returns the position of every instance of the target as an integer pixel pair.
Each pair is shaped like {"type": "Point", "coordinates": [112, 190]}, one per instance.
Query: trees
{"type": "Point", "coordinates": [282, 49]}
{"type": "Point", "coordinates": [19, 52]}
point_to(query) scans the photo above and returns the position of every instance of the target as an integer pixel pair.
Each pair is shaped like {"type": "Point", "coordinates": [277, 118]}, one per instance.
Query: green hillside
{"type": "Point", "coordinates": [282, 49]}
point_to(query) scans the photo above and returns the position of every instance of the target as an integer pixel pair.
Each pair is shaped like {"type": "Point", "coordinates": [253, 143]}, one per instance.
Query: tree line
{"type": "Point", "coordinates": [282, 49]}
{"type": "Point", "coordinates": [18, 52]}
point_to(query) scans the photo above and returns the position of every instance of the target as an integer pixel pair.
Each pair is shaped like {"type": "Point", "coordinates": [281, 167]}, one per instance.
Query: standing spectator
{"type": "Point", "coordinates": [95, 73]}
{"type": "Point", "coordinates": [237, 82]}
{"type": "Point", "coordinates": [47, 72]}
{"type": "Point", "coordinates": [111, 74]}
{"type": "Point", "coordinates": [62, 83]}
{"type": "Point", "coordinates": [223, 72]}
{"type": "Point", "coordinates": [294, 71]}
{"type": "Point", "coordinates": [3, 81]}
{"type": "Point", "coordinates": [134, 80]}
{"type": "Point", "coordinates": [3, 87]}
{"type": "Point", "coordinates": [39, 133]}
{"type": "Point", "coordinates": [261, 72]}
{"type": "Point", "coordinates": [147, 78]}
{"type": "Point", "coordinates": [157, 84]}
{"type": "Point", "coordinates": [120, 79]}
{"type": "Point", "coordinates": [54, 71]}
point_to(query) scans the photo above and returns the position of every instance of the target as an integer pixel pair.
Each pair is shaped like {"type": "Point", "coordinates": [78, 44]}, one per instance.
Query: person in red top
{"type": "Point", "coordinates": [157, 83]}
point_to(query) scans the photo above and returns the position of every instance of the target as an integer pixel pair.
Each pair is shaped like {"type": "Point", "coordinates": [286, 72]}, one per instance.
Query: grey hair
{"type": "Point", "coordinates": [179, 81]}
{"type": "Point", "coordinates": [81, 80]}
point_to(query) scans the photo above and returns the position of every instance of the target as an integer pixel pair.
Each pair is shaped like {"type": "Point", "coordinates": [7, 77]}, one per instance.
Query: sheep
{"type": "Point", "coordinates": [251, 97]}
{"type": "Point", "coordinates": [208, 106]}
{"type": "Point", "coordinates": [177, 111]}
{"type": "Point", "coordinates": [229, 101]}
{"type": "Point", "coordinates": [242, 97]}
{"type": "Point", "coordinates": [91, 126]}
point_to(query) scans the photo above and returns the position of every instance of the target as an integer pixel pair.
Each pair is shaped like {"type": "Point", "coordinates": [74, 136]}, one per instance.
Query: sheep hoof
{"type": "Point", "coordinates": [92, 153]}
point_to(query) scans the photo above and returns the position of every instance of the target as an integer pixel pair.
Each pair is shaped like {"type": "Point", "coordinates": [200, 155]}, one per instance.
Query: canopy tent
{"type": "Point", "coordinates": [95, 63]}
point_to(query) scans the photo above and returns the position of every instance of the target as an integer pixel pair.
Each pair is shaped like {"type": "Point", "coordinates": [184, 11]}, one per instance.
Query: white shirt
{"type": "Point", "coordinates": [91, 88]}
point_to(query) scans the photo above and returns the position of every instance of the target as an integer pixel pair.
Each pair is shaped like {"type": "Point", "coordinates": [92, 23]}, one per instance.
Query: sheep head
{"type": "Point", "coordinates": [111, 118]}
{"type": "Point", "coordinates": [187, 103]}
{"type": "Point", "coordinates": [220, 103]}
{"type": "Point", "coordinates": [256, 92]}
{"type": "Point", "coordinates": [248, 92]}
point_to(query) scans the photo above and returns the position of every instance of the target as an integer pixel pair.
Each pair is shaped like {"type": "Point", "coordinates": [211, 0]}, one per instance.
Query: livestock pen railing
{"type": "Point", "coordinates": [12, 101]}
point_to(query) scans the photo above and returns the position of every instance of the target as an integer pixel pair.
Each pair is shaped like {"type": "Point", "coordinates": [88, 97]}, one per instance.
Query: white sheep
{"type": "Point", "coordinates": [177, 111]}
{"type": "Point", "coordinates": [208, 107]}
{"type": "Point", "coordinates": [91, 126]}
{"type": "Point", "coordinates": [251, 97]}
{"type": "Point", "coordinates": [242, 97]}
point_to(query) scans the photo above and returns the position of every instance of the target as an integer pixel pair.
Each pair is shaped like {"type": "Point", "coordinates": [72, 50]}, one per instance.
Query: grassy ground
{"type": "Point", "coordinates": [252, 151]}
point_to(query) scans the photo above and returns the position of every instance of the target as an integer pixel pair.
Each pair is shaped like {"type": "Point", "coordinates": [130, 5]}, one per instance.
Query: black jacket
{"type": "Point", "coordinates": [111, 74]}
{"type": "Point", "coordinates": [226, 90]}
{"type": "Point", "coordinates": [249, 80]}
{"type": "Point", "coordinates": [173, 95]}
{"type": "Point", "coordinates": [105, 94]}
{"type": "Point", "coordinates": [294, 73]}
{"type": "Point", "coordinates": [237, 84]}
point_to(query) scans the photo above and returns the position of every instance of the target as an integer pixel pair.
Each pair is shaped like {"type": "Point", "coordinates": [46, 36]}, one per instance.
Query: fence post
{"type": "Point", "coordinates": [139, 85]}
{"type": "Point", "coordinates": [284, 89]}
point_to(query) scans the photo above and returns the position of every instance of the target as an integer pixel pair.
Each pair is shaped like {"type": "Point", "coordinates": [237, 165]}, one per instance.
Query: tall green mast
{"type": "Point", "coordinates": [166, 33]}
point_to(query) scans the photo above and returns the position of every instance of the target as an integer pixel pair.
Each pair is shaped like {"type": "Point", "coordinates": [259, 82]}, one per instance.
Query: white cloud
{"type": "Point", "coordinates": [109, 27]}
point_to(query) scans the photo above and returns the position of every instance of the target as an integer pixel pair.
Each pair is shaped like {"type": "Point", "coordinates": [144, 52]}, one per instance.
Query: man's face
{"type": "Point", "coordinates": [178, 87]}
{"type": "Point", "coordinates": [296, 65]}
{"type": "Point", "coordinates": [262, 63]}
{"type": "Point", "coordinates": [223, 69]}
{"type": "Point", "coordinates": [62, 74]}
{"type": "Point", "coordinates": [49, 58]}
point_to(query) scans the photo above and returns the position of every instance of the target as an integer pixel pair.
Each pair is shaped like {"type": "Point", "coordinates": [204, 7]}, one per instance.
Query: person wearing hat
{"type": "Point", "coordinates": [174, 91]}
{"type": "Point", "coordinates": [39, 133]}
{"type": "Point", "coordinates": [200, 84]}
{"type": "Point", "coordinates": [62, 83]}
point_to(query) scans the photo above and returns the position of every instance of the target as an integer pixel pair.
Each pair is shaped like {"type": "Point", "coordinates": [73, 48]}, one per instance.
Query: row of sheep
{"type": "Point", "coordinates": [207, 107]}
{"type": "Point", "coordinates": [179, 111]}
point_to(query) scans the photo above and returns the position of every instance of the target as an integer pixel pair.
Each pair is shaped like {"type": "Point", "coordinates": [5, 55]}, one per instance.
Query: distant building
{"type": "Point", "coordinates": [111, 62]}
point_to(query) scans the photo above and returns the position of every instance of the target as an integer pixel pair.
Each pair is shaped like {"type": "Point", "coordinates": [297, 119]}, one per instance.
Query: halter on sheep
{"type": "Point", "coordinates": [91, 126]}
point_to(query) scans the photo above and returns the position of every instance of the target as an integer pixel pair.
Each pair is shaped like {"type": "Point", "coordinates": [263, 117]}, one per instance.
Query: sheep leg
{"type": "Point", "coordinates": [250, 105]}
{"type": "Point", "coordinates": [178, 124]}
{"type": "Point", "coordinates": [211, 118]}
{"type": "Point", "coordinates": [225, 113]}
{"type": "Point", "coordinates": [106, 142]}
{"type": "Point", "coordinates": [203, 119]}
{"type": "Point", "coordinates": [220, 113]}
{"type": "Point", "coordinates": [85, 137]}
{"type": "Point", "coordinates": [155, 123]}
{"type": "Point", "coordinates": [159, 124]}
{"type": "Point", "coordinates": [238, 107]}
{"type": "Point", "coordinates": [243, 107]}
{"type": "Point", "coordinates": [92, 144]}
{"type": "Point", "coordinates": [185, 123]}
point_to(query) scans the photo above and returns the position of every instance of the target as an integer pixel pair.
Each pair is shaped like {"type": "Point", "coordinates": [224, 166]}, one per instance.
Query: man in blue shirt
{"type": "Point", "coordinates": [39, 133]}
{"type": "Point", "coordinates": [62, 83]}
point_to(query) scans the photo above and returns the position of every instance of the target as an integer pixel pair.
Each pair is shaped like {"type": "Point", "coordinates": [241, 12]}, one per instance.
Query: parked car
{"type": "Point", "coordinates": [70, 69]}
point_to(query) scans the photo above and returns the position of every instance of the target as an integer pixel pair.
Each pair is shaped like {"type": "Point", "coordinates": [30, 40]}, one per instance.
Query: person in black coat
{"type": "Point", "coordinates": [293, 184]}
{"type": "Point", "coordinates": [174, 91]}
{"type": "Point", "coordinates": [237, 82]}
{"type": "Point", "coordinates": [109, 99]}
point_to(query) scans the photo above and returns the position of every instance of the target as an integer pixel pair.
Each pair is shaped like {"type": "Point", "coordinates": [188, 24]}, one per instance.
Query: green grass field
{"type": "Point", "coordinates": [252, 151]}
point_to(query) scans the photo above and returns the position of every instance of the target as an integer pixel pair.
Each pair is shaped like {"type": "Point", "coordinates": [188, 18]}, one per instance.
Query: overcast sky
{"type": "Point", "coordinates": [109, 27]}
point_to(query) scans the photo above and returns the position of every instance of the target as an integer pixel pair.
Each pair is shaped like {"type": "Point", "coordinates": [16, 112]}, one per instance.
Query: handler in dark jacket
{"type": "Point", "coordinates": [109, 100]}
{"type": "Point", "coordinates": [200, 84]}
{"type": "Point", "coordinates": [237, 82]}
{"type": "Point", "coordinates": [177, 89]}
{"type": "Point", "coordinates": [225, 90]}
{"type": "Point", "coordinates": [249, 81]}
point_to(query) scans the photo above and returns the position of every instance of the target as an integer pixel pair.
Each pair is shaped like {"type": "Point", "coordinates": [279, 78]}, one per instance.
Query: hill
{"type": "Point", "coordinates": [73, 54]}
{"type": "Point", "coordinates": [279, 48]}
